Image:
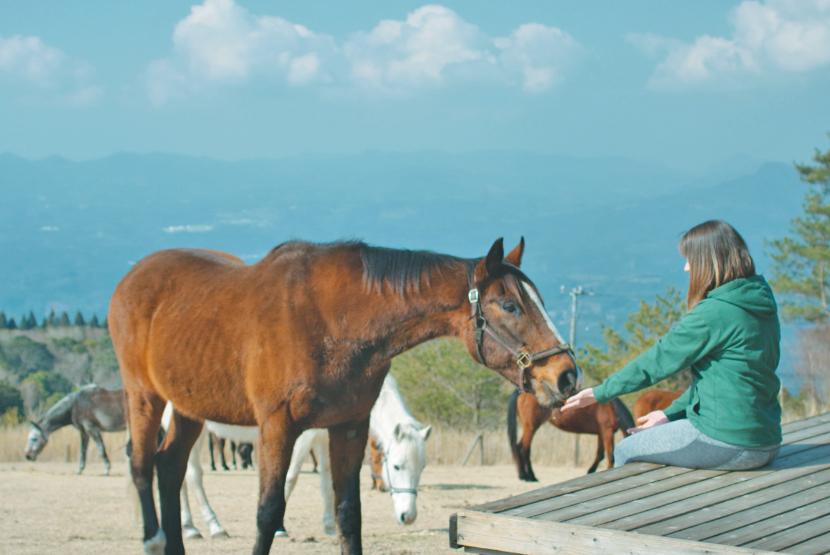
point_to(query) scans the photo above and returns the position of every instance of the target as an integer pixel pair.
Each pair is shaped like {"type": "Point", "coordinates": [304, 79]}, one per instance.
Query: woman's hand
{"type": "Point", "coordinates": [584, 398]}
{"type": "Point", "coordinates": [654, 418]}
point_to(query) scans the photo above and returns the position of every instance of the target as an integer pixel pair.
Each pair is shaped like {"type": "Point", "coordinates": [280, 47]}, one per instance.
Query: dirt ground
{"type": "Point", "coordinates": [46, 508]}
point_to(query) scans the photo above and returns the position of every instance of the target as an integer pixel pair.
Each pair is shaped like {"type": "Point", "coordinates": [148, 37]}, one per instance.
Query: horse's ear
{"type": "Point", "coordinates": [515, 256]}
{"type": "Point", "coordinates": [425, 432]}
{"type": "Point", "coordinates": [491, 263]}
{"type": "Point", "coordinates": [397, 433]}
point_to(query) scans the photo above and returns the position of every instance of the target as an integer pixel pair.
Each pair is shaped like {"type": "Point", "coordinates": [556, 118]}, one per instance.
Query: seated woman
{"type": "Point", "coordinates": [729, 418]}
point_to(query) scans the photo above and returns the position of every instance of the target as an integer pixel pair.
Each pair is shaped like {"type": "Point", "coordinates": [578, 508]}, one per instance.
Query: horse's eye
{"type": "Point", "coordinates": [397, 467]}
{"type": "Point", "coordinates": [510, 306]}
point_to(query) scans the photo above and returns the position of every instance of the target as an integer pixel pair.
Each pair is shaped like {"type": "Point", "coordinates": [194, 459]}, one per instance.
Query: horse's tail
{"type": "Point", "coordinates": [624, 418]}
{"type": "Point", "coordinates": [512, 432]}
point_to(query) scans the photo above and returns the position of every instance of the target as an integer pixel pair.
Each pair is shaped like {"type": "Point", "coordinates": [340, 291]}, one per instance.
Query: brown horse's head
{"type": "Point", "coordinates": [512, 324]}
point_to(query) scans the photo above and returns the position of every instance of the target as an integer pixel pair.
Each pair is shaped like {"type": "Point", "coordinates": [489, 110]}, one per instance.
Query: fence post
{"type": "Point", "coordinates": [479, 439]}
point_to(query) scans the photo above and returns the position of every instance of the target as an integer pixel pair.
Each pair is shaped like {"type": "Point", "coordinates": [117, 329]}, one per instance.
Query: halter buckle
{"type": "Point", "coordinates": [523, 360]}
{"type": "Point", "coordinates": [472, 295]}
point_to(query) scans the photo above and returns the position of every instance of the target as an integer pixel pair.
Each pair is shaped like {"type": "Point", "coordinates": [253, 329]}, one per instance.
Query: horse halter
{"type": "Point", "coordinates": [388, 477]}
{"type": "Point", "coordinates": [523, 358]}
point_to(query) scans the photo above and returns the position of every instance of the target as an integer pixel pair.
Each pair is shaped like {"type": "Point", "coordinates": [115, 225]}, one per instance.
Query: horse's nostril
{"type": "Point", "coordinates": [567, 382]}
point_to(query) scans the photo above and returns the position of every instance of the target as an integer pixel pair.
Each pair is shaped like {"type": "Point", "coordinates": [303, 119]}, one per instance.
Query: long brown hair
{"type": "Point", "coordinates": [717, 254]}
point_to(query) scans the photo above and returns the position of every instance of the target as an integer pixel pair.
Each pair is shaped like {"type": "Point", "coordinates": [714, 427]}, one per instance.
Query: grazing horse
{"type": "Point", "coordinates": [599, 419]}
{"type": "Point", "coordinates": [403, 455]}
{"type": "Point", "coordinates": [91, 410]}
{"type": "Point", "coordinates": [654, 399]}
{"type": "Point", "coordinates": [303, 339]}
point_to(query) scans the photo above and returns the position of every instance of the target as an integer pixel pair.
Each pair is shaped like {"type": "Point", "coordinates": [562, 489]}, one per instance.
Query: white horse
{"type": "Point", "coordinates": [401, 437]}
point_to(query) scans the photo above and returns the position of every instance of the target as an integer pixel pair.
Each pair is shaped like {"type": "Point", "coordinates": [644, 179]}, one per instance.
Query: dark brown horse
{"type": "Point", "coordinates": [654, 399]}
{"type": "Point", "coordinates": [303, 339]}
{"type": "Point", "coordinates": [599, 419]}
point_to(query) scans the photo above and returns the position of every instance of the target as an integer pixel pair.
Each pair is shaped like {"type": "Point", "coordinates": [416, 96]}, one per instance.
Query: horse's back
{"type": "Point", "coordinates": [101, 407]}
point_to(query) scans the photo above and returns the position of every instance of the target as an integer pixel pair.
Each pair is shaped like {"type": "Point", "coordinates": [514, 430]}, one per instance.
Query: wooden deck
{"type": "Point", "coordinates": [649, 508]}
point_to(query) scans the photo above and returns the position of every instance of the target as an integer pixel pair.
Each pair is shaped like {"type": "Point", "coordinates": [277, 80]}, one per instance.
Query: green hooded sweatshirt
{"type": "Point", "coordinates": [730, 340]}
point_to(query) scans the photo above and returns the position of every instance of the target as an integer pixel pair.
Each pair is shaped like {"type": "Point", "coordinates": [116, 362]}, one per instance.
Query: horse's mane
{"type": "Point", "coordinates": [404, 270]}
{"type": "Point", "coordinates": [59, 412]}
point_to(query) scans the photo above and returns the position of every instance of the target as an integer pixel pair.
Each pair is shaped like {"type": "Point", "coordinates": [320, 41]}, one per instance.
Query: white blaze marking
{"type": "Point", "coordinates": [535, 298]}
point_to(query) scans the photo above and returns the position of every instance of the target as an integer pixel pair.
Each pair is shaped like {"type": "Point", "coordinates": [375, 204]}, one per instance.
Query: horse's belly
{"type": "Point", "coordinates": [244, 434]}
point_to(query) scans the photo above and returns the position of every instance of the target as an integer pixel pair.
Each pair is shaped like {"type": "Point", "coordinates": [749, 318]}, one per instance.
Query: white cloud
{"type": "Point", "coordinates": [777, 35]}
{"type": "Point", "coordinates": [29, 64]}
{"type": "Point", "coordinates": [188, 228]}
{"type": "Point", "coordinates": [539, 54]}
{"type": "Point", "coordinates": [222, 43]}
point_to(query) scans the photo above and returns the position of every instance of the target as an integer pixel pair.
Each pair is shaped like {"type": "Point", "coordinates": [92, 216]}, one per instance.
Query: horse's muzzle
{"type": "Point", "coordinates": [29, 456]}
{"type": "Point", "coordinates": [568, 383]}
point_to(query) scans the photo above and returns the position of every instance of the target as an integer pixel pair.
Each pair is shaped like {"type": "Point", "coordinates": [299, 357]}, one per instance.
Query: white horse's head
{"type": "Point", "coordinates": [35, 442]}
{"type": "Point", "coordinates": [404, 459]}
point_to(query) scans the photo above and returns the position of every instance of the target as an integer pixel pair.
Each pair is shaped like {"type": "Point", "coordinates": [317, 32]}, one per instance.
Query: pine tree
{"type": "Point", "coordinates": [94, 321]}
{"type": "Point", "coordinates": [3, 322]}
{"type": "Point", "coordinates": [801, 271]}
{"type": "Point", "coordinates": [79, 319]}
{"type": "Point", "coordinates": [31, 321]}
{"type": "Point", "coordinates": [52, 321]}
{"type": "Point", "coordinates": [64, 320]}
{"type": "Point", "coordinates": [11, 325]}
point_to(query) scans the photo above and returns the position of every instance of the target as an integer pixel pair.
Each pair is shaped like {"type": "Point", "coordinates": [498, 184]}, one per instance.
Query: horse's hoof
{"type": "Point", "coordinates": [156, 544]}
{"type": "Point", "coordinates": [219, 535]}
{"type": "Point", "coordinates": [280, 534]}
{"type": "Point", "coordinates": [191, 533]}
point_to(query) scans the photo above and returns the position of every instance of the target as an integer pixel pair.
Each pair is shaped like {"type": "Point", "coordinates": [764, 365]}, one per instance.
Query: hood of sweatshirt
{"type": "Point", "coordinates": [752, 294]}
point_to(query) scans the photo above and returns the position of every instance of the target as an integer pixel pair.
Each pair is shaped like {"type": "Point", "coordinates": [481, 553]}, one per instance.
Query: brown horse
{"type": "Point", "coordinates": [599, 419]}
{"type": "Point", "coordinates": [303, 339]}
{"type": "Point", "coordinates": [654, 399]}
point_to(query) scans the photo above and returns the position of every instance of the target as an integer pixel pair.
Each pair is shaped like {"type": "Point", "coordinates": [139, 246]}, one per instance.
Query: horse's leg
{"type": "Point", "coordinates": [347, 445]}
{"type": "Point", "coordinates": [189, 529]}
{"type": "Point", "coordinates": [608, 441]}
{"type": "Point", "coordinates": [528, 431]}
{"type": "Point", "coordinates": [599, 457]}
{"type": "Point", "coordinates": [302, 447]}
{"type": "Point", "coordinates": [222, 443]}
{"type": "Point", "coordinates": [82, 454]}
{"type": "Point", "coordinates": [171, 463]}
{"type": "Point", "coordinates": [314, 462]}
{"type": "Point", "coordinates": [326, 486]}
{"type": "Point", "coordinates": [102, 451]}
{"type": "Point", "coordinates": [144, 412]}
{"type": "Point", "coordinates": [194, 479]}
{"type": "Point", "coordinates": [276, 442]}
{"type": "Point", "coordinates": [233, 453]}
{"type": "Point", "coordinates": [210, 448]}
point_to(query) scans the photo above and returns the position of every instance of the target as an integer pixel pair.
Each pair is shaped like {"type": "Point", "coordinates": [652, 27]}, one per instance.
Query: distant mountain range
{"type": "Point", "coordinates": [70, 230]}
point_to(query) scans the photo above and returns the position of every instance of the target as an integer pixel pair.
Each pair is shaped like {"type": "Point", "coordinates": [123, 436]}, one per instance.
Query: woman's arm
{"type": "Point", "coordinates": [687, 342]}
{"type": "Point", "coordinates": [677, 410]}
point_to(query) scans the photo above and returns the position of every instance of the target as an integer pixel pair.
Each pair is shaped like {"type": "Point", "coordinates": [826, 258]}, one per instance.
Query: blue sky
{"type": "Point", "coordinates": [691, 84]}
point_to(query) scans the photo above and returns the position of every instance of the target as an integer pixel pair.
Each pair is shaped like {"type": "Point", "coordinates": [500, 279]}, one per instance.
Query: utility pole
{"type": "Point", "coordinates": [574, 293]}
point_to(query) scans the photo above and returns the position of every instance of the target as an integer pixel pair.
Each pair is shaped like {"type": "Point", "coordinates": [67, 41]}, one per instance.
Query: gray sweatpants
{"type": "Point", "coordinates": [679, 443]}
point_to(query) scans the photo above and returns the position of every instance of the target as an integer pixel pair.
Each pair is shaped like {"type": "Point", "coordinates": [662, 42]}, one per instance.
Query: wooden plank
{"type": "Point", "coordinates": [745, 510]}
{"type": "Point", "coordinates": [497, 532]}
{"type": "Point", "coordinates": [569, 486]}
{"type": "Point", "coordinates": [805, 423]}
{"type": "Point", "coordinates": [631, 486]}
{"type": "Point", "coordinates": [794, 535]}
{"type": "Point", "coordinates": [720, 488]}
{"type": "Point", "coordinates": [783, 523]}
{"type": "Point", "coordinates": [820, 545]}
{"type": "Point", "coordinates": [799, 430]}
{"type": "Point", "coordinates": [642, 494]}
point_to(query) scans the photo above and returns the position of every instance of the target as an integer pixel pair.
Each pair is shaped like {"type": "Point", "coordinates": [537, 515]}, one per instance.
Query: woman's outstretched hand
{"type": "Point", "coordinates": [654, 418]}
{"type": "Point", "coordinates": [584, 398]}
